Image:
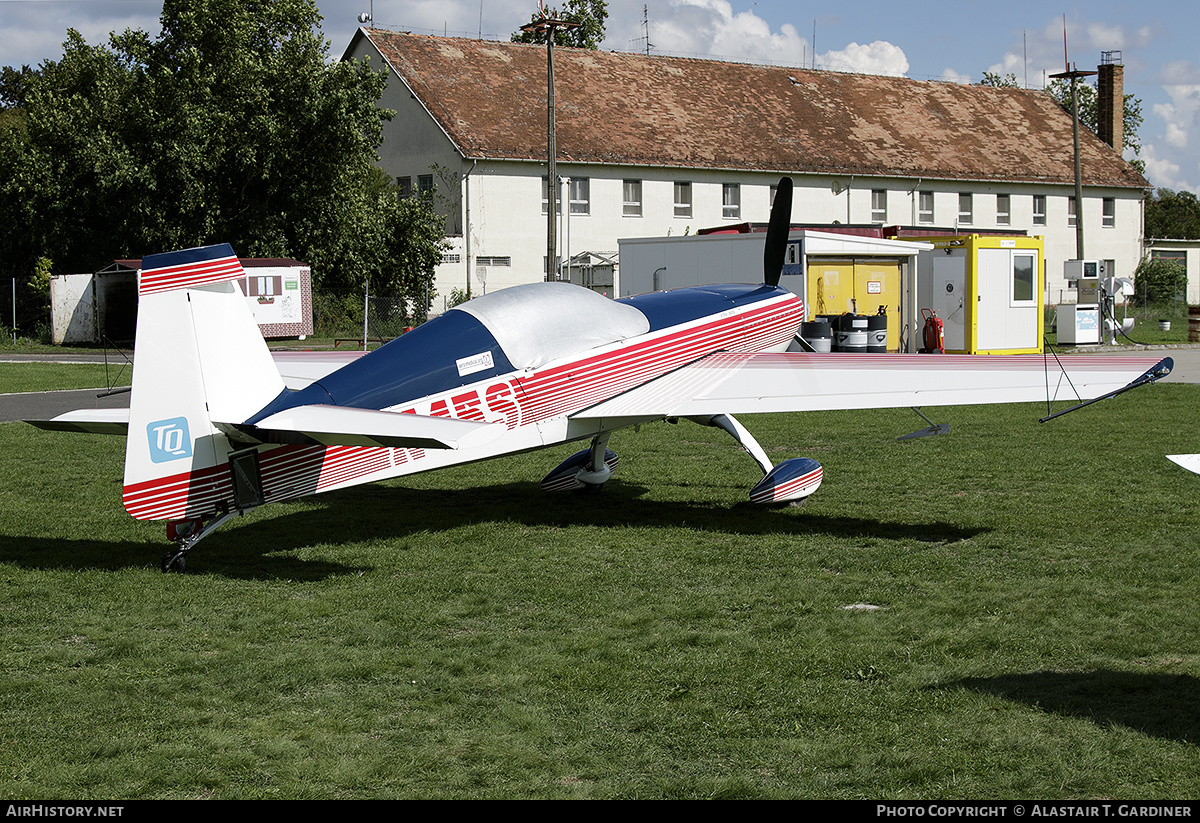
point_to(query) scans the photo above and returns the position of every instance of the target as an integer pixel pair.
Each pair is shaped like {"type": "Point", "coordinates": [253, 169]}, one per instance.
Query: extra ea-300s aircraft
{"type": "Point", "coordinates": [215, 429]}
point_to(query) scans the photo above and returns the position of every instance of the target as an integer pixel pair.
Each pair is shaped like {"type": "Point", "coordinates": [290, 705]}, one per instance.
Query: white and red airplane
{"type": "Point", "coordinates": [217, 426]}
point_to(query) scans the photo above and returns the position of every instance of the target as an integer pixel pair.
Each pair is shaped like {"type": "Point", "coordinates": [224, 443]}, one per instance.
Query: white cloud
{"type": "Point", "coordinates": [709, 28]}
{"type": "Point", "coordinates": [1163, 172]}
{"type": "Point", "coordinates": [951, 76]}
{"type": "Point", "coordinates": [1181, 117]}
{"type": "Point", "coordinates": [1039, 53]}
{"type": "Point", "coordinates": [879, 57]}
{"type": "Point", "coordinates": [34, 32]}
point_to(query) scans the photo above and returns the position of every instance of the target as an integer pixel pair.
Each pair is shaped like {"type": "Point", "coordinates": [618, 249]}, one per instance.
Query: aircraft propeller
{"type": "Point", "coordinates": [777, 232]}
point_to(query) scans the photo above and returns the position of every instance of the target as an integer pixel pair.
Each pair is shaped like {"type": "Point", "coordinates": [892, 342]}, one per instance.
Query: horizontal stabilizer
{"type": "Point", "coordinates": [346, 426]}
{"type": "Point", "coordinates": [301, 368]}
{"type": "Point", "coordinates": [90, 421]}
{"type": "Point", "coordinates": [1191, 462]}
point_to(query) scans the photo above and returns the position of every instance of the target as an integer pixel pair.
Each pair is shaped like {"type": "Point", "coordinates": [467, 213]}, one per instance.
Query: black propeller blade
{"type": "Point", "coordinates": [777, 232]}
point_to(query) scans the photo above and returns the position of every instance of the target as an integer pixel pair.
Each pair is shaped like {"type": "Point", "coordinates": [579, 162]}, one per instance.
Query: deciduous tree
{"type": "Point", "coordinates": [1173, 215]}
{"type": "Point", "coordinates": [232, 126]}
{"type": "Point", "coordinates": [589, 17]}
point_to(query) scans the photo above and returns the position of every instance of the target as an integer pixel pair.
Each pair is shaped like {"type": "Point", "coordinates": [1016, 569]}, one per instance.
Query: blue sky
{"type": "Point", "coordinates": [1159, 42]}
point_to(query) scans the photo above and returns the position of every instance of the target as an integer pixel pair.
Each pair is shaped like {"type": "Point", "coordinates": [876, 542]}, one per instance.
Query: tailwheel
{"type": "Point", "coordinates": [175, 561]}
{"type": "Point", "coordinates": [186, 534]}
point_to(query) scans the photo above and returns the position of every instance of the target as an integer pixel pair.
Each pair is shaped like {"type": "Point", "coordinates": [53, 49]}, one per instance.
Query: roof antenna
{"type": "Point", "coordinates": [645, 38]}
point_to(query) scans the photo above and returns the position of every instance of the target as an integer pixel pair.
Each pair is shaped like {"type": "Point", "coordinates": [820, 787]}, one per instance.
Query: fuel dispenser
{"type": "Point", "coordinates": [1079, 324]}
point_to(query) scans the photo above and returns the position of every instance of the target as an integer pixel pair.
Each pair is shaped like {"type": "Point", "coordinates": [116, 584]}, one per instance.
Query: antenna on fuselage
{"type": "Point", "coordinates": [777, 232]}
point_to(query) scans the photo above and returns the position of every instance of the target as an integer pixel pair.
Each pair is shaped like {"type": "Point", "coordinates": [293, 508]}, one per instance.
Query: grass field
{"type": "Point", "coordinates": [31, 377]}
{"type": "Point", "coordinates": [1009, 611]}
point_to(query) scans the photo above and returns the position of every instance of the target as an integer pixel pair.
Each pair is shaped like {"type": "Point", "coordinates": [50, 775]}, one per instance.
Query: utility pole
{"type": "Point", "coordinates": [544, 23]}
{"type": "Point", "coordinates": [1073, 74]}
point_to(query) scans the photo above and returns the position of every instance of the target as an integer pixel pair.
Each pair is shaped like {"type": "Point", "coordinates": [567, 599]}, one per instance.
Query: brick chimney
{"type": "Point", "coordinates": [1110, 102]}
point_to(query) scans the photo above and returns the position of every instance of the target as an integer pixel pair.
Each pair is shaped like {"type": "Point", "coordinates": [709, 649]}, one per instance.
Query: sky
{"type": "Point", "coordinates": [1158, 42]}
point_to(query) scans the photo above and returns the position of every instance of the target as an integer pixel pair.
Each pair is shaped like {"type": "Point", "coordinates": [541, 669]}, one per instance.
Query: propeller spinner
{"type": "Point", "coordinates": [777, 232]}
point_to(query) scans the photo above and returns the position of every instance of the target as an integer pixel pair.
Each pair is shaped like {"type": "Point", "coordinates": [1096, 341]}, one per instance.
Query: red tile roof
{"type": "Point", "coordinates": [490, 98]}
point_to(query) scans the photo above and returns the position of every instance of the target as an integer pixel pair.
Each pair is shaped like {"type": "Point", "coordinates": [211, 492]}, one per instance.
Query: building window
{"type": "Point", "coordinates": [631, 194]}
{"type": "Point", "coordinates": [925, 207]}
{"type": "Point", "coordinates": [878, 206]}
{"type": "Point", "coordinates": [1109, 219]}
{"type": "Point", "coordinates": [546, 199]}
{"type": "Point", "coordinates": [1003, 210]}
{"type": "Point", "coordinates": [1024, 279]}
{"type": "Point", "coordinates": [731, 201]}
{"type": "Point", "coordinates": [405, 186]}
{"type": "Point", "coordinates": [1071, 213]}
{"type": "Point", "coordinates": [683, 199]}
{"type": "Point", "coordinates": [1039, 210]}
{"type": "Point", "coordinates": [1161, 254]}
{"type": "Point", "coordinates": [493, 261]}
{"type": "Point", "coordinates": [425, 185]}
{"type": "Point", "coordinates": [965, 210]}
{"type": "Point", "coordinates": [264, 286]}
{"type": "Point", "coordinates": [580, 193]}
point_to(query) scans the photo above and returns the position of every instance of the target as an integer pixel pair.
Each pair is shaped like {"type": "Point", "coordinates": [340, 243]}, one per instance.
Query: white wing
{"type": "Point", "coordinates": [752, 383]}
{"type": "Point", "coordinates": [299, 368]}
{"type": "Point", "coordinates": [1191, 462]}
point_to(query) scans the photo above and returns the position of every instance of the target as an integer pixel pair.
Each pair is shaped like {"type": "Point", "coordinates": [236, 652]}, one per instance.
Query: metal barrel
{"type": "Point", "coordinates": [818, 334]}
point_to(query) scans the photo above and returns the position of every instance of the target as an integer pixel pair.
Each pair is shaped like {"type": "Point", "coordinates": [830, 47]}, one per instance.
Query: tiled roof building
{"type": "Point", "coordinates": [661, 145]}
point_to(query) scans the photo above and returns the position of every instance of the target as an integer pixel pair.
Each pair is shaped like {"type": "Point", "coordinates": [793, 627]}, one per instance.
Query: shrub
{"type": "Point", "coordinates": [1158, 281]}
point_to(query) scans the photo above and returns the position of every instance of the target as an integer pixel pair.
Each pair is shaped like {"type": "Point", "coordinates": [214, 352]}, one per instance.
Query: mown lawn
{"type": "Point", "coordinates": [1005, 612]}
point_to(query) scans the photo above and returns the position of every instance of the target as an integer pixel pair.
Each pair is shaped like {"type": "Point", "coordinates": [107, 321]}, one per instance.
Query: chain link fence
{"type": "Point", "coordinates": [341, 315]}
{"type": "Point", "coordinates": [24, 314]}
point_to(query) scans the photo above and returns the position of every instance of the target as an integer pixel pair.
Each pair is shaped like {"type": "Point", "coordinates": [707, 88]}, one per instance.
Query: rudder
{"type": "Point", "coordinates": [199, 358]}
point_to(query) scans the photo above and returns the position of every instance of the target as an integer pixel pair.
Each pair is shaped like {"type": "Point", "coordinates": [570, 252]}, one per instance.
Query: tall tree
{"type": "Point", "coordinates": [589, 17]}
{"type": "Point", "coordinates": [232, 126]}
{"type": "Point", "coordinates": [1173, 215]}
{"type": "Point", "coordinates": [1089, 113]}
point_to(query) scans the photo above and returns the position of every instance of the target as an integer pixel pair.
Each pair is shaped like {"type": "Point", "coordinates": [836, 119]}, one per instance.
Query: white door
{"type": "Point", "coordinates": [949, 296]}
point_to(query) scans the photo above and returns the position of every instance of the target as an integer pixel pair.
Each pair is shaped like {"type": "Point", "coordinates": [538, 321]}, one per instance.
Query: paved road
{"type": "Point", "coordinates": [44, 405]}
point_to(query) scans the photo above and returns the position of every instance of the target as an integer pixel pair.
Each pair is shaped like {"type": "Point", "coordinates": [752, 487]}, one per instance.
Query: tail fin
{"type": "Point", "coordinates": [198, 358]}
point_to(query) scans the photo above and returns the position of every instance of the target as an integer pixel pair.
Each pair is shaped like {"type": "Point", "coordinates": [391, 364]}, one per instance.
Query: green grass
{"type": "Point", "coordinates": [1145, 329]}
{"type": "Point", "coordinates": [462, 635]}
{"type": "Point", "coordinates": [32, 377]}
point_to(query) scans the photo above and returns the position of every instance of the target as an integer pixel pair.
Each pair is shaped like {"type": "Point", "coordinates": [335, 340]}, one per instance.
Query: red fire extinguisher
{"type": "Point", "coordinates": [934, 332]}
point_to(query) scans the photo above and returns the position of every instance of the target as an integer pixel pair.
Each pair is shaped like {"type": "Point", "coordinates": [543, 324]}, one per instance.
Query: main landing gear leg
{"type": "Point", "coordinates": [727, 422]}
